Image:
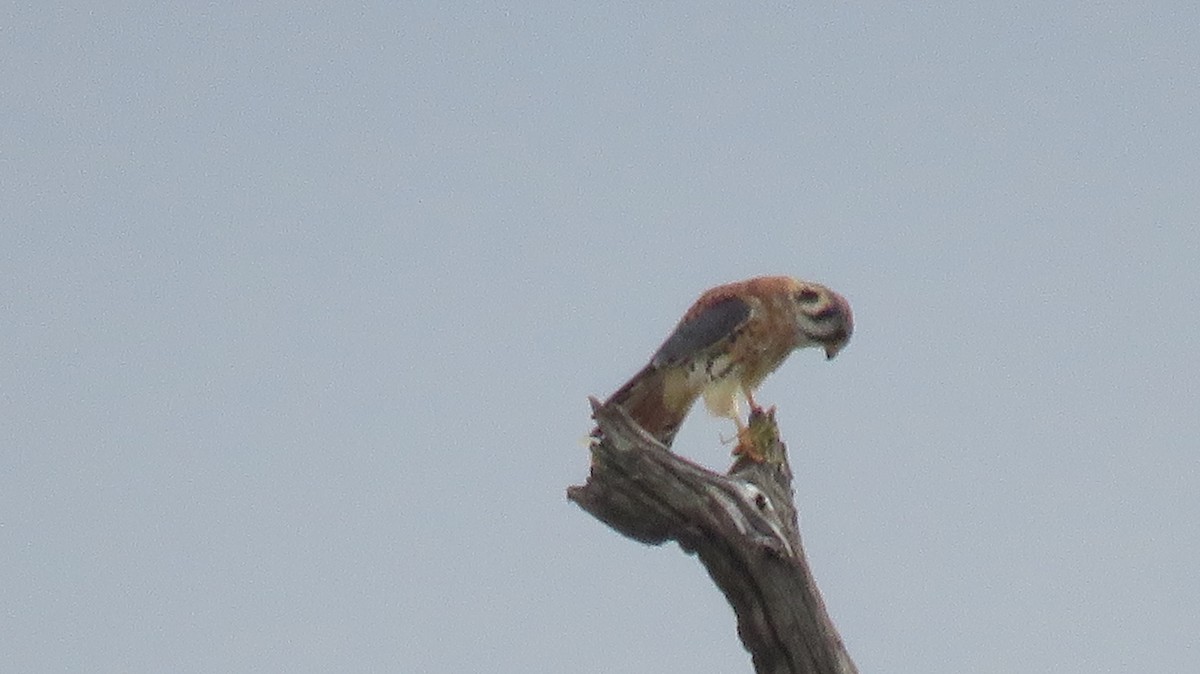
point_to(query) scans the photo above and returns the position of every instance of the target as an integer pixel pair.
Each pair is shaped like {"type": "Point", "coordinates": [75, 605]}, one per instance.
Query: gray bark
{"type": "Point", "coordinates": [741, 525]}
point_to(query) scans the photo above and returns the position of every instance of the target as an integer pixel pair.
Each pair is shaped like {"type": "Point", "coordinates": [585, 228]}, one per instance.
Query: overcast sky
{"type": "Point", "coordinates": [301, 305]}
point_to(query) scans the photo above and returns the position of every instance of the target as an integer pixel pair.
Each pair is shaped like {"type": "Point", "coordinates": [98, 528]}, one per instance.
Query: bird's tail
{"type": "Point", "coordinates": [647, 400]}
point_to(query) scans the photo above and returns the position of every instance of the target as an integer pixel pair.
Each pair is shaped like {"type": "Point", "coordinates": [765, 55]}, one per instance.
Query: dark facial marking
{"type": "Point", "coordinates": [828, 311]}
{"type": "Point", "coordinates": [807, 296]}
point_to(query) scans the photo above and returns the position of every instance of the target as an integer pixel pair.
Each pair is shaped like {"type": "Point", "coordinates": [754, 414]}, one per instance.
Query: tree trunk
{"type": "Point", "coordinates": [742, 526]}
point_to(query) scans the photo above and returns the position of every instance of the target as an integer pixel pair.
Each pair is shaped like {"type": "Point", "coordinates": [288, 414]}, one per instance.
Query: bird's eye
{"type": "Point", "coordinates": [808, 296]}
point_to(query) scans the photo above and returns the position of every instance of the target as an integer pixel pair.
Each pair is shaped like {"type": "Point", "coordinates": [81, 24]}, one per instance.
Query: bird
{"type": "Point", "coordinates": [727, 343]}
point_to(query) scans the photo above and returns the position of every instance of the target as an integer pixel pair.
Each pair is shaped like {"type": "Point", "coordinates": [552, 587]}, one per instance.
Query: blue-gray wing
{"type": "Point", "coordinates": [716, 322]}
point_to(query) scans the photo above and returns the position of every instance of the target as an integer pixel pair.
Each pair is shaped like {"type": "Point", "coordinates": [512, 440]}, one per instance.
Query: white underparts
{"type": "Point", "coordinates": [720, 397]}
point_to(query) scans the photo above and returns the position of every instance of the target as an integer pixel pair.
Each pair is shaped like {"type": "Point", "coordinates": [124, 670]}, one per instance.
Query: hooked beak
{"type": "Point", "coordinates": [833, 346]}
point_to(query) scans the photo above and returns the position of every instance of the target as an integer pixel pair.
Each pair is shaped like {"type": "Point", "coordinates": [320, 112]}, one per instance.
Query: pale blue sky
{"type": "Point", "coordinates": [301, 306]}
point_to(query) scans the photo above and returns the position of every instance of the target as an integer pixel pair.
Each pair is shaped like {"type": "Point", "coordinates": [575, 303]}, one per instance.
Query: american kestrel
{"type": "Point", "coordinates": [727, 343]}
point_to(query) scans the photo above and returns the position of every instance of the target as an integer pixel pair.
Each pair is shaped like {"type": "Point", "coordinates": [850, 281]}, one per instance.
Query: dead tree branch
{"type": "Point", "coordinates": [742, 526]}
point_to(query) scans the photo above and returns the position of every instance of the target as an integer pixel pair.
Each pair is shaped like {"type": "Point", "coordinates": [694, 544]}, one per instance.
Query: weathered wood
{"type": "Point", "coordinates": [742, 526]}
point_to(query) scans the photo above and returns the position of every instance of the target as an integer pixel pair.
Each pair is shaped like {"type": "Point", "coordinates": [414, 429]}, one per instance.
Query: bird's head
{"type": "Point", "coordinates": [823, 317]}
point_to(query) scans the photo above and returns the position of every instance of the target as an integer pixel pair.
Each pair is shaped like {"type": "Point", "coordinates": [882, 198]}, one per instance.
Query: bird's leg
{"type": "Point", "coordinates": [722, 402]}
{"type": "Point", "coordinates": [745, 441]}
{"type": "Point", "coordinates": [750, 400]}
{"type": "Point", "coordinates": [748, 445]}
{"type": "Point", "coordinates": [735, 415]}
{"type": "Point", "coordinates": [727, 406]}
